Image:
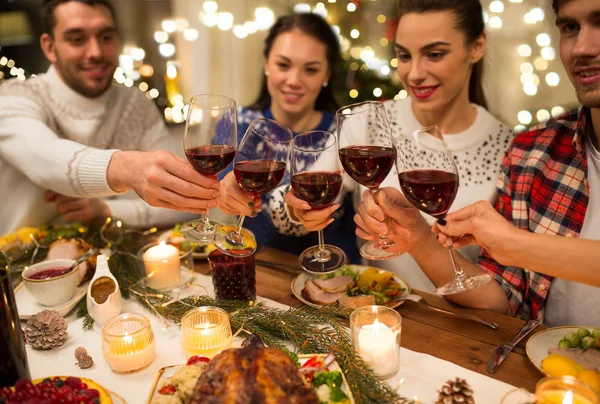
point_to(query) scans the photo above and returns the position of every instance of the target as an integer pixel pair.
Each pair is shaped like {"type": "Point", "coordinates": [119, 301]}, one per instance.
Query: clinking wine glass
{"type": "Point", "coordinates": [316, 179]}
{"type": "Point", "coordinates": [367, 155]}
{"type": "Point", "coordinates": [428, 178]}
{"type": "Point", "coordinates": [259, 166]}
{"type": "Point", "coordinates": [209, 142]}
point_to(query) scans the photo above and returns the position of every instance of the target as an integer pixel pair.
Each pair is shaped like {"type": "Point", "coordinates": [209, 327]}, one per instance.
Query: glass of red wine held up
{"type": "Point", "coordinates": [367, 155]}
{"type": "Point", "coordinates": [209, 142]}
{"type": "Point", "coordinates": [259, 166]}
{"type": "Point", "coordinates": [316, 179]}
{"type": "Point", "coordinates": [428, 178]}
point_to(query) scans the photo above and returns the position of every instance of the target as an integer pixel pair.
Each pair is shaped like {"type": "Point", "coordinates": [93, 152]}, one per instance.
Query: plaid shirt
{"type": "Point", "coordinates": [542, 188]}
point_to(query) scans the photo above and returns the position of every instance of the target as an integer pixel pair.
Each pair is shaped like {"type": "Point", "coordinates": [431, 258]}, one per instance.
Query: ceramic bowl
{"type": "Point", "coordinates": [51, 291]}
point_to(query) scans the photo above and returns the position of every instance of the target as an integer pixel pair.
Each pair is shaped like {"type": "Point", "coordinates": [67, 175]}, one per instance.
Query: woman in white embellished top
{"type": "Point", "coordinates": [439, 46]}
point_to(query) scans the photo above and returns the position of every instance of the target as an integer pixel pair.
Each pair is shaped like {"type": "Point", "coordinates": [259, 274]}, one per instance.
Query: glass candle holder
{"type": "Point", "coordinates": [234, 278]}
{"type": "Point", "coordinates": [168, 265]}
{"type": "Point", "coordinates": [205, 331]}
{"type": "Point", "coordinates": [128, 343]}
{"type": "Point", "coordinates": [375, 333]}
{"type": "Point", "coordinates": [564, 390]}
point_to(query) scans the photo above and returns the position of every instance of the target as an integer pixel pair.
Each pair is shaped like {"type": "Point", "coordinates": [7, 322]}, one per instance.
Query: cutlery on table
{"type": "Point", "coordinates": [419, 299]}
{"type": "Point", "coordinates": [502, 351]}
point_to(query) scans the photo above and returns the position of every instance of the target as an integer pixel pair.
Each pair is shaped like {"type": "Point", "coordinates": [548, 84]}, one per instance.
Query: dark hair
{"type": "Point", "coordinates": [315, 26]}
{"type": "Point", "coordinates": [555, 6]}
{"type": "Point", "coordinates": [48, 7]}
{"type": "Point", "coordinates": [469, 19]}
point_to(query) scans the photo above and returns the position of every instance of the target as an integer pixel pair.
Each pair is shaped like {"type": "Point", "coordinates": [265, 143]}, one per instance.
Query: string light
{"type": "Point", "coordinates": [524, 117]}
{"type": "Point", "coordinates": [542, 115]}
{"type": "Point", "coordinates": [524, 50]}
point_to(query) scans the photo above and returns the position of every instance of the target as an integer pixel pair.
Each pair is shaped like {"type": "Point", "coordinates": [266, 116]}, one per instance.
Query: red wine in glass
{"type": "Point", "coordinates": [319, 188]}
{"type": "Point", "coordinates": [368, 165]}
{"type": "Point", "coordinates": [209, 142]}
{"type": "Point", "coordinates": [210, 160]}
{"type": "Point", "coordinates": [259, 176]}
{"type": "Point", "coordinates": [428, 177]}
{"type": "Point", "coordinates": [432, 191]}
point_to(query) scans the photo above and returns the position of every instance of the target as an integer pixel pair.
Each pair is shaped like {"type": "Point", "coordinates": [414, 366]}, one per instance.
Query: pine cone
{"type": "Point", "coordinates": [84, 360]}
{"type": "Point", "coordinates": [46, 330]}
{"type": "Point", "coordinates": [457, 391]}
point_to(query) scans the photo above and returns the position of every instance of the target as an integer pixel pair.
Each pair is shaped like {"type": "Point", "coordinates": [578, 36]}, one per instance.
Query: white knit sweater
{"type": "Point", "coordinates": [54, 138]}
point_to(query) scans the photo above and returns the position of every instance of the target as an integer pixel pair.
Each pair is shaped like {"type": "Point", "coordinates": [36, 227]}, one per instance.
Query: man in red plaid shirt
{"type": "Point", "coordinates": [549, 184]}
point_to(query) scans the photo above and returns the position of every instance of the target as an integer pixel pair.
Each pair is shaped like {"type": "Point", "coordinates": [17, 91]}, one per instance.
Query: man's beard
{"type": "Point", "coordinates": [77, 85]}
{"type": "Point", "coordinates": [589, 95]}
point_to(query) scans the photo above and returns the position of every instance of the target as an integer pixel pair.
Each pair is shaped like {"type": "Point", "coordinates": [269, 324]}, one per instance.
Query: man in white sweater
{"type": "Point", "coordinates": [70, 137]}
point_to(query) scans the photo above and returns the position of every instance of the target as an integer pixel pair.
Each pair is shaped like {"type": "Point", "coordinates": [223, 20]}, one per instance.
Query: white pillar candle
{"type": "Point", "coordinates": [378, 347]}
{"type": "Point", "coordinates": [162, 265]}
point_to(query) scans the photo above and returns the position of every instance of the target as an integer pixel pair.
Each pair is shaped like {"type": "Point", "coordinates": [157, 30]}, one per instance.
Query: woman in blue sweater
{"type": "Point", "coordinates": [301, 53]}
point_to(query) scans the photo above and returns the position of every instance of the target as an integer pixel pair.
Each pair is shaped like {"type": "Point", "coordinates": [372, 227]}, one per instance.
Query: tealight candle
{"type": "Point", "coordinates": [564, 390]}
{"type": "Point", "coordinates": [205, 331]}
{"type": "Point", "coordinates": [375, 334]}
{"type": "Point", "coordinates": [163, 266]}
{"type": "Point", "coordinates": [128, 343]}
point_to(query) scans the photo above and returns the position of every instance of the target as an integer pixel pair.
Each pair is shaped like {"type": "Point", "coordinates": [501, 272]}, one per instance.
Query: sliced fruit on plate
{"type": "Point", "coordinates": [67, 389]}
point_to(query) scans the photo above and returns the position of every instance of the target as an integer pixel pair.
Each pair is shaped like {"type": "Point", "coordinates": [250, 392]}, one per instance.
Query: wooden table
{"type": "Point", "coordinates": [461, 341]}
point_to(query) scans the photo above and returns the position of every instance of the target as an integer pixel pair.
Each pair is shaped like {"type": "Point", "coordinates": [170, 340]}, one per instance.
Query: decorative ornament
{"type": "Point", "coordinates": [456, 391]}
{"type": "Point", "coordinates": [84, 360]}
{"type": "Point", "coordinates": [46, 330]}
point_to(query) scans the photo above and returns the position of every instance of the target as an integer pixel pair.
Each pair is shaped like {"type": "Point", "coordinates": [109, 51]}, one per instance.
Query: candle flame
{"type": "Point", "coordinates": [119, 224]}
{"type": "Point", "coordinates": [163, 243]}
{"type": "Point", "coordinates": [376, 328]}
{"type": "Point", "coordinates": [568, 399]}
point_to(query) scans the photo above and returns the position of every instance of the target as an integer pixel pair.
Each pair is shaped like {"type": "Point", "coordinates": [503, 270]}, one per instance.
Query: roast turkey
{"type": "Point", "coordinates": [73, 248]}
{"type": "Point", "coordinates": [253, 374]}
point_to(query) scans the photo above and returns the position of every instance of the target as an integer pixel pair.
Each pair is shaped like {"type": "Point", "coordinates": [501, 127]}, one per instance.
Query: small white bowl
{"type": "Point", "coordinates": [52, 291]}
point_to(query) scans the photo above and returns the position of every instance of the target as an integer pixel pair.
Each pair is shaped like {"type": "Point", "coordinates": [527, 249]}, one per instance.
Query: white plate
{"type": "Point", "coordinates": [166, 236]}
{"type": "Point", "coordinates": [538, 345]}
{"type": "Point", "coordinates": [169, 371]}
{"type": "Point", "coordinates": [27, 306]}
{"type": "Point", "coordinates": [299, 282]}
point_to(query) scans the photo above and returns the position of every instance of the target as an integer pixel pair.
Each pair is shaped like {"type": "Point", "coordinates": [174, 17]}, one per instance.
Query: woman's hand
{"type": "Point", "coordinates": [392, 216]}
{"type": "Point", "coordinates": [234, 201]}
{"type": "Point", "coordinates": [312, 219]}
{"type": "Point", "coordinates": [479, 224]}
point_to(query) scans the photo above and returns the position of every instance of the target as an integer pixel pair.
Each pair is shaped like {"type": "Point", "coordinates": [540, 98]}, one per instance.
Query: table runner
{"type": "Point", "coordinates": [422, 375]}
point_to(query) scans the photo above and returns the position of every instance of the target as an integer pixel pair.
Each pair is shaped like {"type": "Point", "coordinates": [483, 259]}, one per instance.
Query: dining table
{"type": "Point", "coordinates": [436, 347]}
{"type": "Point", "coordinates": [463, 342]}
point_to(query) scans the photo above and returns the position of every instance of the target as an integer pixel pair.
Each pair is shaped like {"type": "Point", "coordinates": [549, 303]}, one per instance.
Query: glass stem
{"type": "Point", "coordinates": [322, 254]}
{"type": "Point", "coordinates": [459, 274]}
{"type": "Point", "coordinates": [206, 226]}
{"type": "Point", "coordinates": [383, 243]}
{"type": "Point", "coordinates": [238, 227]}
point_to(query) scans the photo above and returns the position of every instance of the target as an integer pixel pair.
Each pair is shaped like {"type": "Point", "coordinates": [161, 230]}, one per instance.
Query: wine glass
{"type": "Point", "coordinates": [367, 155]}
{"type": "Point", "coordinates": [209, 142]}
{"type": "Point", "coordinates": [429, 180]}
{"type": "Point", "coordinates": [316, 179]}
{"type": "Point", "coordinates": [259, 166]}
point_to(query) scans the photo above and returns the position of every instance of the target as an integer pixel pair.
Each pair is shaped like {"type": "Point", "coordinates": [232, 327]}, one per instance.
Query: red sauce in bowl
{"type": "Point", "coordinates": [49, 273]}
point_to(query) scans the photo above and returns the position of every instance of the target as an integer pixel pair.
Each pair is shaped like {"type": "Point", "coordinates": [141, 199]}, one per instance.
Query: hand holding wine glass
{"type": "Point", "coordinates": [259, 166]}
{"type": "Point", "coordinates": [367, 155]}
{"type": "Point", "coordinates": [428, 178]}
{"type": "Point", "coordinates": [316, 179]}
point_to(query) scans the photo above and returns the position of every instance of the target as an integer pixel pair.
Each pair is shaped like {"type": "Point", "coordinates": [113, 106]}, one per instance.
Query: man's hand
{"type": "Point", "coordinates": [312, 219]}
{"type": "Point", "coordinates": [163, 180]}
{"type": "Point", "coordinates": [480, 224]}
{"type": "Point", "coordinates": [82, 210]}
{"type": "Point", "coordinates": [393, 216]}
{"type": "Point", "coordinates": [234, 201]}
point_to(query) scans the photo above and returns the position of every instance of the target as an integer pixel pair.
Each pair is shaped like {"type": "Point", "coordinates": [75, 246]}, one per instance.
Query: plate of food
{"type": "Point", "coordinates": [174, 237]}
{"type": "Point", "coordinates": [253, 370]}
{"type": "Point", "coordinates": [74, 389]}
{"type": "Point", "coordinates": [567, 351]}
{"type": "Point", "coordinates": [352, 286]}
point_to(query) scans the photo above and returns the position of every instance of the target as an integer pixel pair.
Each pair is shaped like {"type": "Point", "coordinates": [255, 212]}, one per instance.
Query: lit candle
{"type": "Point", "coordinates": [205, 331]}
{"type": "Point", "coordinates": [378, 347]}
{"type": "Point", "coordinates": [560, 397]}
{"type": "Point", "coordinates": [162, 265]}
{"type": "Point", "coordinates": [564, 390]}
{"type": "Point", "coordinates": [128, 343]}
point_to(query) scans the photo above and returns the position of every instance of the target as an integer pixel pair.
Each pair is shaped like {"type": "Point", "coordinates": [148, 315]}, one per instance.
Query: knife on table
{"type": "Point", "coordinates": [502, 351]}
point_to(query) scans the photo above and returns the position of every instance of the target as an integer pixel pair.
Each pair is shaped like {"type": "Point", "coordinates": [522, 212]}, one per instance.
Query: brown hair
{"type": "Point", "coordinates": [469, 19]}
{"type": "Point", "coordinates": [555, 6]}
{"type": "Point", "coordinates": [48, 7]}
